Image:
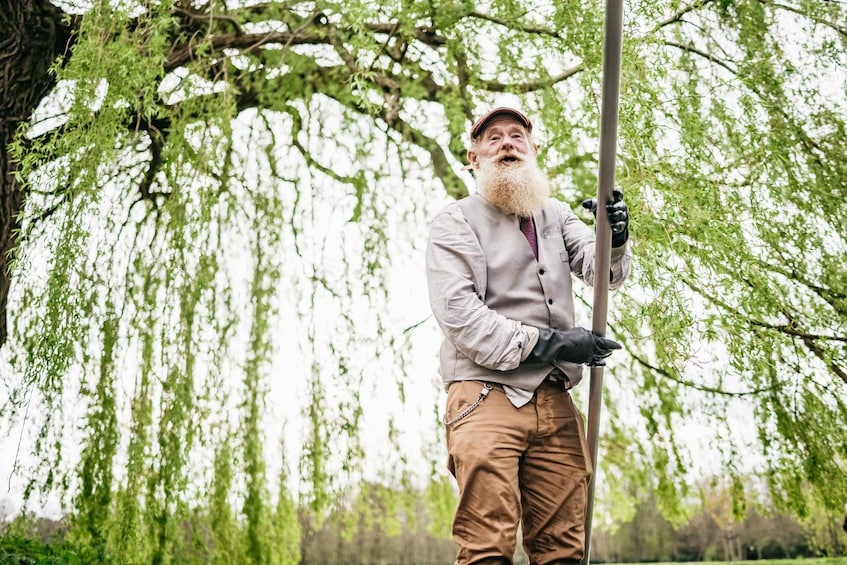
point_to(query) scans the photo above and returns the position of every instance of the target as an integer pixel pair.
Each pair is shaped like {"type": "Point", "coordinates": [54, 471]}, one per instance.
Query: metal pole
{"type": "Point", "coordinates": [603, 244]}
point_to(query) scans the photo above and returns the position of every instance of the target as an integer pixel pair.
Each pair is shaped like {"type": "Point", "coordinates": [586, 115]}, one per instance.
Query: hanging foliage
{"type": "Point", "coordinates": [205, 206]}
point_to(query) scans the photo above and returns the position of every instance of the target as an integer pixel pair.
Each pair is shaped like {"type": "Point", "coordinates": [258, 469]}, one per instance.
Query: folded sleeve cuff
{"type": "Point", "coordinates": [531, 340]}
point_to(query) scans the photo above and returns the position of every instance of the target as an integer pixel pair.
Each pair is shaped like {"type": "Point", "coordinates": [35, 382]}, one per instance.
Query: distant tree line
{"type": "Point", "coordinates": [380, 525]}
{"type": "Point", "coordinates": [705, 536]}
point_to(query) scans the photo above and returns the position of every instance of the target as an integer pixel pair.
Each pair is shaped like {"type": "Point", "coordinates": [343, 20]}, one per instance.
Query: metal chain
{"type": "Point", "coordinates": [486, 388]}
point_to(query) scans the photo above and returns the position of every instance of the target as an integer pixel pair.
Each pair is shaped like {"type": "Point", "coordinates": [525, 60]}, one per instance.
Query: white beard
{"type": "Point", "coordinates": [519, 189]}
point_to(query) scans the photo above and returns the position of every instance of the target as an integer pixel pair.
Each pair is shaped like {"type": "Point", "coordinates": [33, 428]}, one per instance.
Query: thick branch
{"type": "Point", "coordinates": [246, 42]}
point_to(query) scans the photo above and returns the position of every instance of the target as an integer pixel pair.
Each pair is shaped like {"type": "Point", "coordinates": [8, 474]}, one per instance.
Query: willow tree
{"type": "Point", "coordinates": [192, 188]}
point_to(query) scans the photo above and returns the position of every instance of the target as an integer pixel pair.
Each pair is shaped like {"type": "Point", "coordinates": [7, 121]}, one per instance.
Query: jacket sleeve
{"type": "Point", "coordinates": [456, 278]}
{"type": "Point", "coordinates": [579, 241]}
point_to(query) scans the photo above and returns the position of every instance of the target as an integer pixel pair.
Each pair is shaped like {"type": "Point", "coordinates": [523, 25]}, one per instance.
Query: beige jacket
{"type": "Point", "coordinates": [486, 287]}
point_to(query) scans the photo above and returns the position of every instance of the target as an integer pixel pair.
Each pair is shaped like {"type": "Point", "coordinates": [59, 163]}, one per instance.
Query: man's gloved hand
{"type": "Point", "coordinates": [618, 216]}
{"type": "Point", "coordinates": [576, 345]}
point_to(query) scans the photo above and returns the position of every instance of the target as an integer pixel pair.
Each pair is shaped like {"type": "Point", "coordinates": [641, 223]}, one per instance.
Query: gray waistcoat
{"type": "Point", "coordinates": [535, 292]}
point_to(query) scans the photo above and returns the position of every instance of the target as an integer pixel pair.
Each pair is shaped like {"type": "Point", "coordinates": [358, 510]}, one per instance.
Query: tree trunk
{"type": "Point", "coordinates": [31, 37]}
{"type": "Point", "coordinates": [11, 201]}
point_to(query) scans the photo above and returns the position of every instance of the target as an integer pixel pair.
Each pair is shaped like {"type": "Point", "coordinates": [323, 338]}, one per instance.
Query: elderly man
{"type": "Point", "coordinates": [499, 266]}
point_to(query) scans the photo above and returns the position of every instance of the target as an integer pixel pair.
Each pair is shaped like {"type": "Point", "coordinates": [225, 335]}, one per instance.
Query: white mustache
{"type": "Point", "coordinates": [500, 158]}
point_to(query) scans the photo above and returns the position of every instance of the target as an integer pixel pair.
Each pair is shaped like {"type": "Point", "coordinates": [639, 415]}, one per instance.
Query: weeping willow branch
{"type": "Point", "coordinates": [415, 325]}
{"type": "Point", "coordinates": [776, 105]}
{"type": "Point", "coordinates": [702, 388]}
{"type": "Point", "coordinates": [808, 339]}
{"type": "Point", "coordinates": [830, 296]}
{"type": "Point", "coordinates": [531, 86]}
{"type": "Point", "coordinates": [157, 142]}
{"type": "Point", "coordinates": [787, 329]}
{"type": "Point", "coordinates": [454, 185]}
{"type": "Point", "coordinates": [208, 18]}
{"type": "Point", "coordinates": [296, 130]}
{"type": "Point", "coordinates": [839, 29]}
{"type": "Point", "coordinates": [677, 16]}
{"type": "Point", "coordinates": [512, 25]}
{"type": "Point", "coordinates": [428, 35]}
{"type": "Point", "coordinates": [704, 54]}
{"type": "Point", "coordinates": [821, 354]}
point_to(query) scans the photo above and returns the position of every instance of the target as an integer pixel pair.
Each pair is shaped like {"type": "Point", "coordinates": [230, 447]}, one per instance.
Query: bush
{"type": "Point", "coordinates": [17, 550]}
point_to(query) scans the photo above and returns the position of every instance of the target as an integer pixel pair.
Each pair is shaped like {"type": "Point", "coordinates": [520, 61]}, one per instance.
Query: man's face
{"type": "Point", "coordinates": [504, 163]}
{"type": "Point", "coordinates": [505, 141]}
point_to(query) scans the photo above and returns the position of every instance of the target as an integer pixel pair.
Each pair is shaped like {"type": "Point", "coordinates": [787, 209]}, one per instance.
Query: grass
{"type": "Point", "coordinates": [800, 561]}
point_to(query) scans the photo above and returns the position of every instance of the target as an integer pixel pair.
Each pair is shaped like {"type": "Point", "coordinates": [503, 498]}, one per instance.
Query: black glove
{"type": "Point", "coordinates": [618, 216]}
{"type": "Point", "coordinates": [576, 345]}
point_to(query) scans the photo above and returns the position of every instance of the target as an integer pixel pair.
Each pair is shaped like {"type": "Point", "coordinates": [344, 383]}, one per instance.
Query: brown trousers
{"type": "Point", "coordinates": [528, 465]}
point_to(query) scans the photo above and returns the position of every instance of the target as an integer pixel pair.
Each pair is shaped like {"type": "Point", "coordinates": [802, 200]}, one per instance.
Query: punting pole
{"type": "Point", "coordinates": [603, 245]}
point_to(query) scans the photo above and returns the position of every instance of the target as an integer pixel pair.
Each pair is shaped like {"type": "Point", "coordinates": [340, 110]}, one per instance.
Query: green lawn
{"type": "Point", "coordinates": [815, 561]}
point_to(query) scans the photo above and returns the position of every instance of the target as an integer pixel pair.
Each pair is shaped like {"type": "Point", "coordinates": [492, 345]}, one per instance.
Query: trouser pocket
{"type": "Point", "coordinates": [460, 405]}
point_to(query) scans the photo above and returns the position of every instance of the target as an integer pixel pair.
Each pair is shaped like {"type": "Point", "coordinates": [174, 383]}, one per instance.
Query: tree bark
{"type": "Point", "coordinates": [32, 36]}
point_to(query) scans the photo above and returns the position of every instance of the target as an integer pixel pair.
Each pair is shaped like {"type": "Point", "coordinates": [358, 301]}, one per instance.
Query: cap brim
{"type": "Point", "coordinates": [502, 111]}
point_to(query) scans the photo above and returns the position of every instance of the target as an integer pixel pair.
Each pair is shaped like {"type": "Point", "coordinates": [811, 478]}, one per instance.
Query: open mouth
{"type": "Point", "coordinates": [509, 159]}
